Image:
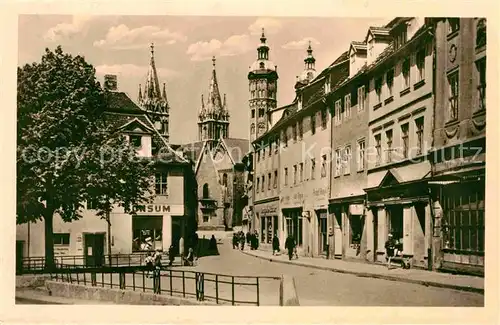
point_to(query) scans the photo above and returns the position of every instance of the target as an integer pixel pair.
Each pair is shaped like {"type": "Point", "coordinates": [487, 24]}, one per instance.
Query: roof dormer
{"type": "Point", "coordinates": [377, 39]}
{"type": "Point", "coordinates": [357, 57]}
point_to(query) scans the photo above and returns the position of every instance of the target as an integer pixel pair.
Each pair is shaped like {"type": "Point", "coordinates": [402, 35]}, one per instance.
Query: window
{"type": "Point", "coordinates": [275, 183]}
{"type": "Point", "coordinates": [136, 141]}
{"type": "Point", "coordinates": [252, 128]}
{"type": "Point", "coordinates": [481, 32]}
{"type": "Point", "coordinates": [294, 132]}
{"type": "Point", "coordinates": [253, 94]}
{"type": "Point", "coordinates": [378, 148]}
{"type": "Point", "coordinates": [388, 136]}
{"type": "Point", "coordinates": [257, 188]}
{"type": "Point", "coordinates": [313, 123]}
{"type": "Point", "coordinates": [404, 137]}
{"type": "Point", "coordinates": [389, 77]}
{"type": "Point", "coordinates": [338, 162]}
{"type": "Point", "coordinates": [337, 112]}
{"type": "Point", "coordinates": [261, 65]}
{"type": "Point", "coordinates": [224, 179]}
{"type": "Point", "coordinates": [421, 65]}
{"type": "Point", "coordinates": [161, 183]}
{"type": "Point", "coordinates": [347, 160]}
{"type": "Point", "coordinates": [301, 175]}
{"type": "Point", "coordinates": [313, 168]}
{"type": "Point", "coordinates": [361, 98]}
{"type": "Point", "coordinates": [323, 118]}
{"type": "Point", "coordinates": [263, 183]}
{"type": "Point", "coordinates": [406, 73]}
{"type": "Point", "coordinates": [286, 176]}
{"type": "Point", "coordinates": [378, 89]}
{"type": "Point", "coordinates": [327, 85]}
{"type": "Point", "coordinates": [206, 193]}
{"type": "Point", "coordinates": [269, 181]}
{"type": "Point", "coordinates": [453, 92]}
{"type": "Point", "coordinates": [147, 233]}
{"type": "Point", "coordinates": [361, 155]}
{"type": "Point", "coordinates": [323, 166]}
{"type": "Point", "coordinates": [206, 217]}
{"type": "Point", "coordinates": [347, 106]}
{"type": "Point", "coordinates": [419, 126]}
{"type": "Point", "coordinates": [301, 129]}
{"type": "Point", "coordinates": [253, 113]}
{"type": "Point", "coordinates": [453, 25]}
{"type": "Point", "coordinates": [294, 174]}
{"type": "Point", "coordinates": [481, 87]}
{"type": "Point", "coordinates": [261, 112]}
{"type": "Point", "coordinates": [61, 239]}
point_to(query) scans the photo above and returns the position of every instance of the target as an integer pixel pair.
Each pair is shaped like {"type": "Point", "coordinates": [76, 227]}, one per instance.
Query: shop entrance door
{"type": "Point", "coordinates": [338, 234]}
{"type": "Point", "coordinates": [94, 249]}
{"type": "Point", "coordinates": [396, 223]}
{"type": "Point", "coordinates": [323, 232]}
{"type": "Point", "coordinates": [176, 235]}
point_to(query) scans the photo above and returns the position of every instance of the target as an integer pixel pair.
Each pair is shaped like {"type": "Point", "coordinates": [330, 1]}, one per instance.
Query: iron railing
{"type": "Point", "coordinates": [204, 286]}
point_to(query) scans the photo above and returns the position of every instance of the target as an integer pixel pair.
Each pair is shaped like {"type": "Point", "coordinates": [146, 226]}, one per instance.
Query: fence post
{"type": "Point", "coordinates": [281, 291]}
{"type": "Point", "coordinates": [143, 282]}
{"type": "Point", "coordinates": [216, 288]}
{"type": "Point", "coordinates": [93, 279]}
{"type": "Point", "coordinates": [171, 289]}
{"type": "Point", "coordinates": [258, 302]}
{"type": "Point", "coordinates": [232, 290]}
{"type": "Point", "coordinates": [183, 285]}
{"type": "Point", "coordinates": [122, 280]}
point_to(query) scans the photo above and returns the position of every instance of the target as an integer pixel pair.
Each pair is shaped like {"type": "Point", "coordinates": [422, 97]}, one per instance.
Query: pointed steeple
{"type": "Point", "coordinates": [152, 87]}
{"type": "Point", "coordinates": [164, 92]}
{"type": "Point", "coordinates": [309, 60]}
{"type": "Point", "coordinates": [263, 49]}
{"type": "Point", "coordinates": [214, 102]}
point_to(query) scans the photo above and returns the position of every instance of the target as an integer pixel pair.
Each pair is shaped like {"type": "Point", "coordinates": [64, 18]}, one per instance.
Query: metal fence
{"type": "Point", "coordinates": [81, 261]}
{"type": "Point", "coordinates": [204, 286]}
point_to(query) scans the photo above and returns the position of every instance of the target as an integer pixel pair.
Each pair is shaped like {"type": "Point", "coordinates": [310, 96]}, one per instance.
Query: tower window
{"type": "Point", "coordinates": [253, 113]}
{"type": "Point", "coordinates": [205, 191]}
{"type": "Point", "coordinates": [261, 112]}
{"type": "Point", "coordinates": [261, 65]}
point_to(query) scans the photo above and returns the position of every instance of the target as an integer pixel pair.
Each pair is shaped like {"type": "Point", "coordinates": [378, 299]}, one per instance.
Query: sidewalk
{"type": "Point", "coordinates": [417, 276]}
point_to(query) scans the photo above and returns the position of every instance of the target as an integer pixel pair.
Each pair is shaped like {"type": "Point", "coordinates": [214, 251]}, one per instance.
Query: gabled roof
{"type": "Point", "coordinates": [119, 102]}
{"type": "Point", "coordinates": [378, 33]}
{"type": "Point", "coordinates": [358, 46]}
{"type": "Point", "coordinates": [343, 57]}
{"type": "Point", "coordinates": [236, 148]}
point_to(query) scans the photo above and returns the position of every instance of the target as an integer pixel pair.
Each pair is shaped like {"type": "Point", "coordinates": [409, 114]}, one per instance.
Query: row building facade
{"type": "Point", "coordinates": [369, 146]}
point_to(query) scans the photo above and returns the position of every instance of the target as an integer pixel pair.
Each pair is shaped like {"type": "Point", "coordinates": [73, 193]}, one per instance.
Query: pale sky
{"type": "Point", "coordinates": [184, 46]}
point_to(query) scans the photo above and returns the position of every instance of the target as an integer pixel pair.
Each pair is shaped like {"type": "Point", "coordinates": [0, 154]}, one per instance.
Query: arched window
{"type": "Point", "coordinates": [205, 191]}
{"type": "Point", "coordinates": [252, 128]}
{"type": "Point", "coordinates": [224, 179]}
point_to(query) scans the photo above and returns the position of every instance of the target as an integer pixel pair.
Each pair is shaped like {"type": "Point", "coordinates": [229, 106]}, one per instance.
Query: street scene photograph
{"type": "Point", "coordinates": [251, 161]}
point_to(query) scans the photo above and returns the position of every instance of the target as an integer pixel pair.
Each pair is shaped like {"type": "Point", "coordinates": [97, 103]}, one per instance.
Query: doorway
{"type": "Point", "coordinates": [177, 233]}
{"type": "Point", "coordinates": [19, 255]}
{"type": "Point", "coordinates": [337, 234]}
{"type": "Point", "coordinates": [323, 231]}
{"type": "Point", "coordinates": [94, 249]}
{"type": "Point", "coordinates": [396, 223]}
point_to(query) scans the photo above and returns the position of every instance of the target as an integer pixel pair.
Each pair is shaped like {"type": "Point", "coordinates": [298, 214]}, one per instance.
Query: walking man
{"type": "Point", "coordinates": [290, 246]}
{"type": "Point", "coordinates": [390, 246]}
{"type": "Point", "coordinates": [276, 244]}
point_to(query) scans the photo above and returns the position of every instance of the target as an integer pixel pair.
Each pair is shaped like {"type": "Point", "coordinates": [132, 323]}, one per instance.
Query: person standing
{"type": "Point", "coordinates": [290, 246]}
{"type": "Point", "coordinates": [276, 244]}
{"type": "Point", "coordinates": [390, 246]}
{"type": "Point", "coordinates": [171, 255]}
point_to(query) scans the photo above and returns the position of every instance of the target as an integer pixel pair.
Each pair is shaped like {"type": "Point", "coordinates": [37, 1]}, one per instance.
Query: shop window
{"type": "Point", "coordinates": [61, 239]}
{"type": "Point", "coordinates": [293, 221]}
{"type": "Point", "coordinates": [463, 218]}
{"type": "Point", "coordinates": [206, 193]}
{"type": "Point", "coordinates": [453, 93]}
{"type": "Point", "coordinates": [147, 233]}
{"type": "Point", "coordinates": [161, 183]}
{"type": "Point", "coordinates": [481, 32]}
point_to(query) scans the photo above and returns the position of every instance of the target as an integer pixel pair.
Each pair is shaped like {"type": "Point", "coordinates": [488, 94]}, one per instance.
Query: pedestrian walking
{"type": "Point", "coordinates": [290, 246]}
{"type": "Point", "coordinates": [171, 255]}
{"type": "Point", "coordinates": [242, 240]}
{"type": "Point", "coordinates": [276, 244]}
{"type": "Point", "coordinates": [212, 245]}
{"type": "Point", "coordinates": [249, 237]}
{"type": "Point", "coordinates": [390, 246]}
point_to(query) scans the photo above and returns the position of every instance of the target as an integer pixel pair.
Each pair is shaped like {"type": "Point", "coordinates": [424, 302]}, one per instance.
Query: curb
{"type": "Point", "coordinates": [376, 276]}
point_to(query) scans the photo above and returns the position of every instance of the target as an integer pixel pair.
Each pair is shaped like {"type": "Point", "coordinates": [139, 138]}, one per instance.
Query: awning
{"type": "Point", "coordinates": [443, 182]}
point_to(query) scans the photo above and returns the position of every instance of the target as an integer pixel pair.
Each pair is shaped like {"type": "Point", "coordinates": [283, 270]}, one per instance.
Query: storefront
{"type": "Point", "coordinates": [293, 219]}
{"type": "Point", "coordinates": [268, 221]}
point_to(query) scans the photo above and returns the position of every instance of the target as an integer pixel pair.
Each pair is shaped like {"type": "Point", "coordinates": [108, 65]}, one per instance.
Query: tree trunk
{"type": "Point", "coordinates": [108, 219]}
{"type": "Point", "coordinates": [49, 239]}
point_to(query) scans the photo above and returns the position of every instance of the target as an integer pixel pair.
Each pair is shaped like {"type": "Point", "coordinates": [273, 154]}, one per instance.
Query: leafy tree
{"type": "Point", "coordinates": [60, 141]}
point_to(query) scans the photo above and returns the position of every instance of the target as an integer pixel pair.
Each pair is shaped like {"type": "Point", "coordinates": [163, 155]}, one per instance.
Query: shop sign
{"type": "Point", "coordinates": [153, 208]}
{"type": "Point", "coordinates": [269, 210]}
{"type": "Point", "coordinates": [320, 192]}
{"type": "Point", "coordinates": [60, 251]}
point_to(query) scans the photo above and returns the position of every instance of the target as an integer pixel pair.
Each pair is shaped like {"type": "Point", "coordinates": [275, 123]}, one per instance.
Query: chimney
{"type": "Point", "coordinates": [110, 82]}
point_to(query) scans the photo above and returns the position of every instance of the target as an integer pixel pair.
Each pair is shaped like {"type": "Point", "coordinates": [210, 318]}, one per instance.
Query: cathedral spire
{"type": "Point", "coordinates": [152, 87]}
{"type": "Point", "coordinates": [214, 101]}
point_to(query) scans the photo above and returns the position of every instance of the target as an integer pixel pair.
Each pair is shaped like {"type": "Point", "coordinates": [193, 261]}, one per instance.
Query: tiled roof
{"type": "Point", "coordinates": [344, 56]}
{"type": "Point", "coordinates": [191, 151]}
{"type": "Point", "coordinates": [119, 102]}
{"type": "Point", "coordinates": [238, 148]}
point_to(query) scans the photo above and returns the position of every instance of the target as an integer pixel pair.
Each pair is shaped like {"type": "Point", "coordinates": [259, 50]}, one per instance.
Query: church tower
{"type": "Point", "coordinates": [154, 101]}
{"type": "Point", "coordinates": [309, 72]}
{"type": "Point", "coordinates": [213, 118]}
{"type": "Point", "coordinates": [262, 77]}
